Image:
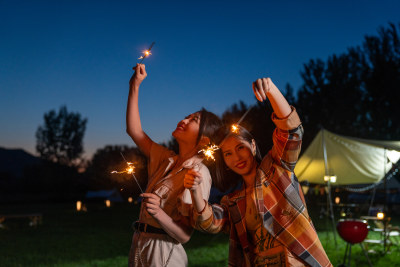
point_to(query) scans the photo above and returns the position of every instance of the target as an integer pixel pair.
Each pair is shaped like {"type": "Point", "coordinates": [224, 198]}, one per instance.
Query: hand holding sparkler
{"type": "Point", "coordinates": [264, 88]}
{"type": "Point", "coordinates": [192, 180]}
{"type": "Point", "coordinates": [152, 203]}
{"type": "Point", "coordinates": [138, 77]}
{"type": "Point", "coordinates": [261, 87]}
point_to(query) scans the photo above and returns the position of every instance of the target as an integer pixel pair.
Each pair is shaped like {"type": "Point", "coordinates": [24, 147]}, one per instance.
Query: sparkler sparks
{"type": "Point", "coordinates": [146, 53]}
{"type": "Point", "coordinates": [129, 170]}
{"type": "Point", "coordinates": [235, 128]}
{"type": "Point", "coordinates": [209, 151]}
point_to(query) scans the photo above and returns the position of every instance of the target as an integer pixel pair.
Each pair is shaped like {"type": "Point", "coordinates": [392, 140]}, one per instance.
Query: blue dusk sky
{"type": "Point", "coordinates": [207, 53]}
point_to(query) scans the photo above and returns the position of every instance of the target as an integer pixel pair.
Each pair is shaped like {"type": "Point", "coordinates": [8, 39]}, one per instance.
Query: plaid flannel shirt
{"type": "Point", "coordinates": [279, 200]}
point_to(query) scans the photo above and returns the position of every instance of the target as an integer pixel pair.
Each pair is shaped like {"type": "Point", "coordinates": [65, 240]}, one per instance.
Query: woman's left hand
{"type": "Point", "coordinates": [152, 203]}
{"type": "Point", "coordinates": [261, 87]}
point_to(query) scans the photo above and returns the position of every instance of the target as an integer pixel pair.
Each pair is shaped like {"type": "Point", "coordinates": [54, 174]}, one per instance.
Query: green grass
{"type": "Point", "coordinates": [102, 237]}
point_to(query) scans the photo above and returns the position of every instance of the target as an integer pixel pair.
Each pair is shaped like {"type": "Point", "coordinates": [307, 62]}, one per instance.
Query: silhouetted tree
{"type": "Point", "coordinates": [355, 93]}
{"type": "Point", "coordinates": [381, 79]}
{"type": "Point", "coordinates": [59, 139]}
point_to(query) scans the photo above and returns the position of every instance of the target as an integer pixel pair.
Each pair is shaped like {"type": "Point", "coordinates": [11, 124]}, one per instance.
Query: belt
{"type": "Point", "coordinates": [147, 228]}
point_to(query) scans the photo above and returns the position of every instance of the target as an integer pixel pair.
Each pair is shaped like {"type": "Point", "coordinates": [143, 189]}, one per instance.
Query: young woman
{"type": "Point", "coordinates": [164, 221]}
{"type": "Point", "coordinates": [267, 218]}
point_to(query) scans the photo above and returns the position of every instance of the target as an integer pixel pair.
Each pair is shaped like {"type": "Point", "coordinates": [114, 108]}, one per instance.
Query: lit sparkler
{"type": "Point", "coordinates": [129, 170]}
{"type": "Point", "coordinates": [235, 128]}
{"type": "Point", "coordinates": [146, 53]}
{"type": "Point", "coordinates": [209, 151]}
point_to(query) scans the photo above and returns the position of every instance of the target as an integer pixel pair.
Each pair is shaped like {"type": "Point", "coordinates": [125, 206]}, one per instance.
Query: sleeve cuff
{"type": "Point", "coordinates": [205, 214]}
{"type": "Point", "coordinates": [292, 121]}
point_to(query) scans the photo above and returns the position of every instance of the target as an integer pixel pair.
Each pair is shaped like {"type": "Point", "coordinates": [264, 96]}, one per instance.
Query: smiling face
{"type": "Point", "coordinates": [187, 129]}
{"type": "Point", "coordinates": [238, 155]}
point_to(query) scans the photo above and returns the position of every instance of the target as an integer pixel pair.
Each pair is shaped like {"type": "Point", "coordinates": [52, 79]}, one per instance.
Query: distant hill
{"type": "Point", "coordinates": [14, 161]}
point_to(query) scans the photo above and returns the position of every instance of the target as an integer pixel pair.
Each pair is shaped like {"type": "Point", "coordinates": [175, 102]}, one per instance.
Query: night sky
{"type": "Point", "coordinates": [207, 54]}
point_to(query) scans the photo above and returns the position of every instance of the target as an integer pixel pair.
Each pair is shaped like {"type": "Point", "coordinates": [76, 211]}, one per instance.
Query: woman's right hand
{"type": "Point", "coordinates": [261, 87]}
{"type": "Point", "coordinates": [192, 180]}
{"type": "Point", "coordinates": [139, 75]}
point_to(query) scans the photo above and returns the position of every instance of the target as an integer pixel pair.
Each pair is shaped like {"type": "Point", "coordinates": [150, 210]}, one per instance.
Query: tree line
{"type": "Point", "coordinates": [355, 93]}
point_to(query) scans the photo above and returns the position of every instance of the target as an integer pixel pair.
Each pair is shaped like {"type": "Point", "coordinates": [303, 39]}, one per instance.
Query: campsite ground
{"type": "Point", "coordinates": [101, 237]}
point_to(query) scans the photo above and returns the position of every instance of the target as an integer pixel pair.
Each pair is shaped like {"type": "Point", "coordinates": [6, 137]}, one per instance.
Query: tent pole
{"type": "Point", "coordinates": [372, 200]}
{"type": "Point", "coordinates": [385, 209]}
{"type": "Point", "coordinates": [329, 197]}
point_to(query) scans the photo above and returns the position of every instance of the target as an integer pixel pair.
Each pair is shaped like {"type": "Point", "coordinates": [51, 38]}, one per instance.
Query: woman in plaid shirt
{"type": "Point", "coordinates": [267, 218]}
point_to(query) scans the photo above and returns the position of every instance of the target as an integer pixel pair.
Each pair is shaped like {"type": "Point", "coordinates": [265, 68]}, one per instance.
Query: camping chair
{"type": "Point", "coordinates": [388, 236]}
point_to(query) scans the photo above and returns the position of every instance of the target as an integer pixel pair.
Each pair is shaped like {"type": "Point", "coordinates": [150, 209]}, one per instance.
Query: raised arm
{"type": "Point", "coordinates": [264, 88]}
{"type": "Point", "coordinates": [288, 135]}
{"type": "Point", "coordinates": [133, 124]}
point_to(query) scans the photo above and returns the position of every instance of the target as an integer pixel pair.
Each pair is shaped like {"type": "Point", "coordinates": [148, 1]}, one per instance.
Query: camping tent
{"type": "Point", "coordinates": [351, 160]}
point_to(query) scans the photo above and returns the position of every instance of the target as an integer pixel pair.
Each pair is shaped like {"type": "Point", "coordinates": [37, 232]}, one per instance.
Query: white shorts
{"type": "Point", "coordinates": [156, 250]}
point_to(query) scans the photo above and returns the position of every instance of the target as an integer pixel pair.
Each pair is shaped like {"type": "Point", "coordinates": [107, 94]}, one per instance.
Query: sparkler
{"type": "Point", "coordinates": [235, 128]}
{"type": "Point", "coordinates": [129, 170]}
{"type": "Point", "coordinates": [209, 151]}
{"type": "Point", "coordinates": [244, 115]}
{"type": "Point", "coordinates": [146, 53]}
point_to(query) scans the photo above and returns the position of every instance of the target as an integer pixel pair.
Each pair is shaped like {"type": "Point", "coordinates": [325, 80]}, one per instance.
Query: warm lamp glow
{"type": "Point", "coordinates": [108, 203]}
{"type": "Point", "coordinates": [78, 206]}
{"type": "Point", "coordinates": [337, 200]}
{"type": "Point", "coordinates": [380, 215]}
{"type": "Point", "coordinates": [331, 178]}
{"type": "Point", "coordinates": [130, 199]}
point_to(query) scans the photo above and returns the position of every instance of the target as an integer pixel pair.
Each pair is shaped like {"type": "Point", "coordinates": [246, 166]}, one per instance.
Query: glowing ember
{"type": "Point", "coordinates": [146, 54]}
{"type": "Point", "coordinates": [209, 151]}
{"type": "Point", "coordinates": [234, 128]}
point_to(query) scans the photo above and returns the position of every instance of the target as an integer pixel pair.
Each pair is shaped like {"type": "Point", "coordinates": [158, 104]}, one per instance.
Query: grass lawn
{"type": "Point", "coordinates": [102, 236]}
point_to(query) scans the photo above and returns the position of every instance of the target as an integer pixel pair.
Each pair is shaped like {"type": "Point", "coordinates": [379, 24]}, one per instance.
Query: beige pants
{"type": "Point", "coordinates": [156, 250]}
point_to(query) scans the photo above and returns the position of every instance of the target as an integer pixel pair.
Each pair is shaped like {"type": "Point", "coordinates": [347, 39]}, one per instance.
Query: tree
{"type": "Point", "coordinates": [382, 80]}
{"type": "Point", "coordinates": [355, 93]}
{"type": "Point", "coordinates": [59, 140]}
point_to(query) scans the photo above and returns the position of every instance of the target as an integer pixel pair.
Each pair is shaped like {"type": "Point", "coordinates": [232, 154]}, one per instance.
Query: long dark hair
{"type": "Point", "coordinates": [226, 179]}
{"type": "Point", "coordinates": [209, 125]}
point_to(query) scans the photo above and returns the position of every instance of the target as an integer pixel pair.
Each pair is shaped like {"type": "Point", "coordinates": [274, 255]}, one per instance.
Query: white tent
{"type": "Point", "coordinates": [351, 160]}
